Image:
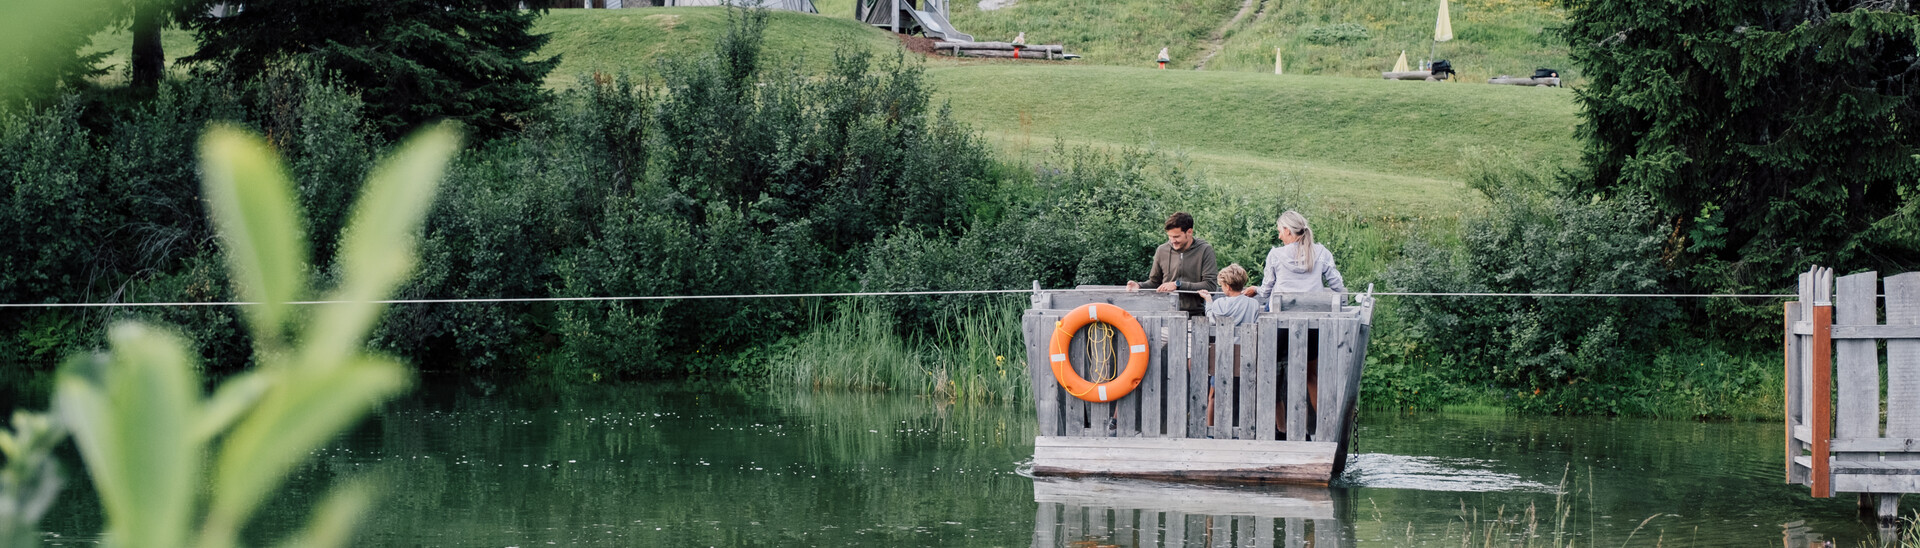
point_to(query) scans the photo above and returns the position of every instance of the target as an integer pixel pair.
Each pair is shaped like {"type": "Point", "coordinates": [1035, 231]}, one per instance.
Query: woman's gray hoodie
{"type": "Point", "coordinates": [1286, 273]}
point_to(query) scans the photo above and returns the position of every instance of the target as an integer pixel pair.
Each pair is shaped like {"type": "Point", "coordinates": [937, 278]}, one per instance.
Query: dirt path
{"type": "Point", "coordinates": [1218, 39]}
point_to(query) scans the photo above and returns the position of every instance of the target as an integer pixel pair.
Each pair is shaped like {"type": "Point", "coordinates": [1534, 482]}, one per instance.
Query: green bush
{"type": "Point", "coordinates": [1535, 238]}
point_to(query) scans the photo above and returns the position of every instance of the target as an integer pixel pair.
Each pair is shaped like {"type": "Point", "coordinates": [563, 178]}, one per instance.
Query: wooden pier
{"type": "Point", "coordinates": [1078, 512]}
{"type": "Point", "coordinates": [1209, 406]}
{"type": "Point", "coordinates": [1837, 440]}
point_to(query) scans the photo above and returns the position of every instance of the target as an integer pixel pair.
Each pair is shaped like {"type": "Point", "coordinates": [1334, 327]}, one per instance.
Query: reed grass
{"type": "Point", "coordinates": [976, 354]}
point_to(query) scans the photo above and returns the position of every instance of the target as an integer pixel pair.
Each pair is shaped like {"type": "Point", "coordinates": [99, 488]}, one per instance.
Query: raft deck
{"type": "Point", "coordinates": [1207, 408]}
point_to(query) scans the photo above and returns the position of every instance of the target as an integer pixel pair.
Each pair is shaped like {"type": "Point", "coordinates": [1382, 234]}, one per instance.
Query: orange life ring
{"type": "Point", "coordinates": [1136, 362]}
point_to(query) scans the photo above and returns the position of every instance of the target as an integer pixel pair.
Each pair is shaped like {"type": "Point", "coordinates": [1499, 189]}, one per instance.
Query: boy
{"type": "Point", "coordinates": [1236, 304]}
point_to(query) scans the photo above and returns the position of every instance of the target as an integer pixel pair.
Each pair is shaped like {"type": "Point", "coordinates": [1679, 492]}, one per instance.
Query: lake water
{"type": "Point", "coordinates": [688, 465]}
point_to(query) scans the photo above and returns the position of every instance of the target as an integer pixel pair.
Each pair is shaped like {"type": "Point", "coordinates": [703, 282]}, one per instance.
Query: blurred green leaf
{"type": "Point", "coordinates": [336, 517]}
{"type": "Point", "coordinates": [127, 410]}
{"type": "Point", "coordinates": [378, 250]}
{"type": "Point", "coordinates": [299, 414]}
{"type": "Point", "coordinates": [247, 188]}
{"type": "Point", "coordinates": [234, 398]}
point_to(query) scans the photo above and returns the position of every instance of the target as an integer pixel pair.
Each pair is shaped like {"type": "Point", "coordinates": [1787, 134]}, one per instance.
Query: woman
{"type": "Point", "coordinates": [1298, 265]}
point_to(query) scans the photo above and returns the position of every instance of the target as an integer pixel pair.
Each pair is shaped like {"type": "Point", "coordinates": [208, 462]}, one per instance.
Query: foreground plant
{"type": "Point", "coordinates": [160, 455]}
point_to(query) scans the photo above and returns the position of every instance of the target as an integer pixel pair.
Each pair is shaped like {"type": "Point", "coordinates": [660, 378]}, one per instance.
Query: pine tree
{"type": "Point", "coordinates": [413, 61]}
{"type": "Point", "coordinates": [1771, 134]}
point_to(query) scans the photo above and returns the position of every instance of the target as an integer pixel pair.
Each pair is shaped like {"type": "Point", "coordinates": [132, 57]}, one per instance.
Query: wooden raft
{"type": "Point", "coordinates": [1206, 410]}
{"type": "Point", "coordinates": [1836, 440]}
{"type": "Point", "coordinates": [1107, 512]}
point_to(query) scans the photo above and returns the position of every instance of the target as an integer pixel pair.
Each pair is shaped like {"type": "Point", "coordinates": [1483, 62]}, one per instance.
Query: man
{"type": "Point", "coordinates": [1184, 263]}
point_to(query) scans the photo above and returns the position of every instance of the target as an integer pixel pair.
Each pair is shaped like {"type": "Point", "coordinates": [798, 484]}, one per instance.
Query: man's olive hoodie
{"type": "Point", "coordinates": [1190, 269]}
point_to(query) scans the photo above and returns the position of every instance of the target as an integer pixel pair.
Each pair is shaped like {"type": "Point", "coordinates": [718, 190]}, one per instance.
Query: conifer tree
{"type": "Point", "coordinates": [413, 61]}
{"type": "Point", "coordinates": [1771, 134]}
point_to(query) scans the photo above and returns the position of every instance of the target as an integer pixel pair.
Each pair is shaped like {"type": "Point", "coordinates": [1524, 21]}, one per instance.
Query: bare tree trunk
{"type": "Point", "coordinates": [149, 58]}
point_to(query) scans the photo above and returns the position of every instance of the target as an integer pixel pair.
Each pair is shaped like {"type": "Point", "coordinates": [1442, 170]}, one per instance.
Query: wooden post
{"type": "Point", "coordinates": [1822, 395]}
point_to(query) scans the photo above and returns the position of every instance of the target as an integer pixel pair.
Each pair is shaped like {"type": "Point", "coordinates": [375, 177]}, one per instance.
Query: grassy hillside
{"type": "Point", "coordinates": [1362, 143]}
{"type": "Point", "coordinates": [636, 40]}
{"type": "Point", "coordinates": [1491, 36]}
{"type": "Point", "coordinates": [1357, 141]}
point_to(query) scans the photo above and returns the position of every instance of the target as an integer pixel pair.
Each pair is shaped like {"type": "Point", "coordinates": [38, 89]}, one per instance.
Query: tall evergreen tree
{"type": "Point", "coordinates": [412, 60]}
{"type": "Point", "coordinates": [1771, 134]}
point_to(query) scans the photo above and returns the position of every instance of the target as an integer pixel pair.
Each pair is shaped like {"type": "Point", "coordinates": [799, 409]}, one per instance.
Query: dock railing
{"type": "Point", "coordinates": [1836, 440]}
{"type": "Point", "coordinates": [1207, 378]}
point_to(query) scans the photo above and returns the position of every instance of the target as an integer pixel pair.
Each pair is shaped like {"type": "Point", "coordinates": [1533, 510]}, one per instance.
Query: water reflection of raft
{"type": "Point", "coordinates": [1208, 408]}
{"type": "Point", "coordinates": [1110, 512]}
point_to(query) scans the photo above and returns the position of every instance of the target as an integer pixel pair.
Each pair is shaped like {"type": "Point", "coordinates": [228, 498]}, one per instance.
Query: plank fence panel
{"type": "Point", "coordinates": [1245, 400]}
{"type": "Point", "coordinates": [1220, 385]}
{"type": "Point", "coordinates": [1805, 409]}
{"type": "Point", "coordinates": [1903, 362]}
{"type": "Point", "coordinates": [1176, 399]}
{"type": "Point", "coordinates": [1267, 392]}
{"type": "Point", "coordinates": [1263, 533]}
{"type": "Point", "coordinates": [1200, 362]}
{"type": "Point", "coordinates": [1297, 380]}
{"type": "Point", "coordinates": [1153, 387]}
{"type": "Point", "coordinates": [1296, 532]}
{"type": "Point", "coordinates": [1219, 531]}
{"type": "Point", "coordinates": [1857, 362]}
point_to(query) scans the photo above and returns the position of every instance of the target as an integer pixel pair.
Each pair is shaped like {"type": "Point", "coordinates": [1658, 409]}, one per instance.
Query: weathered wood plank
{"type": "Point", "coordinates": [1267, 392]}
{"type": "Point", "coordinates": [1876, 483]}
{"type": "Point", "coordinates": [1135, 302]}
{"type": "Point", "coordinates": [1245, 401]}
{"type": "Point", "coordinates": [1876, 445]}
{"type": "Point", "coordinates": [1297, 352]}
{"type": "Point", "coordinates": [1126, 410]}
{"type": "Point", "coordinates": [1200, 362]}
{"type": "Point", "coordinates": [1333, 378]}
{"type": "Point", "coordinates": [1046, 390]}
{"type": "Point", "coordinates": [1153, 387]}
{"type": "Point", "coordinates": [1296, 532]}
{"type": "Point", "coordinates": [1857, 366]}
{"type": "Point", "coordinates": [1075, 409]}
{"type": "Point", "coordinates": [1220, 385]}
{"type": "Point", "coordinates": [1903, 380]}
{"type": "Point", "coordinates": [1263, 533]}
{"type": "Point", "coordinates": [1046, 525]}
{"type": "Point", "coordinates": [1254, 446]}
{"type": "Point", "coordinates": [1792, 386]}
{"type": "Point", "coordinates": [1178, 340]}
